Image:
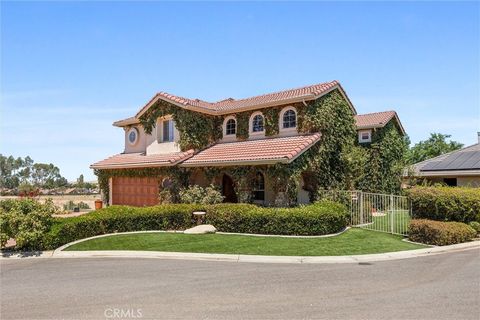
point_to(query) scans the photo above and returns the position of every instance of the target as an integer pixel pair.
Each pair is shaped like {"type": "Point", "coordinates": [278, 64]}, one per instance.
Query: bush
{"type": "Point", "coordinates": [70, 205]}
{"type": "Point", "coordinates": [446, 203]}
{"type": "Point", "coordinates": [439, 233]}
{"type": "Point", "coordinates": [317, 219]}
{"type": "Point", "coordinates": [198, 195]}
{"type": "Point", "coordinates": [475, 226]}
{"type": "Point", "coordinates": [25, 220]}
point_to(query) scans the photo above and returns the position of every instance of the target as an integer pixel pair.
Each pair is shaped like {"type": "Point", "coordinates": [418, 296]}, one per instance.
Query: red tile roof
{"type": "Point", "coordinates": [264, 151]}
{"type": "Point", "coordinates": [140, 160]}
{"type": "Point", "coordinates": [231, 105]}
{"type": "Point", "coordinates": [376, 120]}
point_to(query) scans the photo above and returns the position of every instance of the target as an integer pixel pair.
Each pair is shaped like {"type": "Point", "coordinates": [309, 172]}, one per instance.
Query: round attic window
{"type": "Point", "coordinates": [132, 136]}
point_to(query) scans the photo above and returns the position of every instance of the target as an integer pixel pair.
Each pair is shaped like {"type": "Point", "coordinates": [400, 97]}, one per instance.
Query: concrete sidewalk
{"type": "Point", "coordinates": [269, 259]}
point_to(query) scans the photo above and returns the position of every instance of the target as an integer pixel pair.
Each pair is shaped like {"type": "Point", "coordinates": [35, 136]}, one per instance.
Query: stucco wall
{"type": "Point", "coordinates": [152, 143]}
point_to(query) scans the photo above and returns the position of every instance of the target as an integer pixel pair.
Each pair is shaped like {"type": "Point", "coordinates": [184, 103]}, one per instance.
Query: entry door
{"type": "Point", "coordinates": [227, 190]}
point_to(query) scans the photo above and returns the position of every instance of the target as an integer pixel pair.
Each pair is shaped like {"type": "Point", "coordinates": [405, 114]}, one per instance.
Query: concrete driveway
{"type": "Point", "coordinates": [445, 286]}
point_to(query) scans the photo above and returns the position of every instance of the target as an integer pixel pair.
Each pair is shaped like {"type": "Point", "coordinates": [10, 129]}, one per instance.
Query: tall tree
{"type": "Point", "coordinates": [80, 181]}
{"type": "Point", "coordinates": [434, 146]}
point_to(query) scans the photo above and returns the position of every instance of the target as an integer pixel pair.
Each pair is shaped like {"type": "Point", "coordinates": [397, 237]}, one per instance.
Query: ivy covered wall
{"type": "Point", "coordinates": [383, 160]}
{"type": "Point", "coordinates": [336, 162]}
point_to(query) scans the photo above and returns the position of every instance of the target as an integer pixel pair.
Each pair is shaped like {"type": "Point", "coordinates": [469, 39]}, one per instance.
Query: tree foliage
{"type": "Point", "coordinates": [434, 146]}
{"type": "Point", "coordinates": [24, 172]}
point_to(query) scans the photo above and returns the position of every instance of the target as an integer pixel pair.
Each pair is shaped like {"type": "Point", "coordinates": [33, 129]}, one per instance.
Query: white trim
{"type": "Point", "coordinates": [448, 173]}
{"type": "Point", "coordinates": [281, 129]}
{"type": "Point", "coordinates": [250, 124]}
{"type": "Point", "coordinates": [137, 133]}
{"type": "Point", "coordinates": [360, 138]}
{"type": "Point", "coordinates": [224, 127]}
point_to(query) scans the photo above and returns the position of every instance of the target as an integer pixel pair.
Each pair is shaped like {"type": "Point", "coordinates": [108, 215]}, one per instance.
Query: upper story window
{"type": "Point", "coordinates": [132, 136]}
{"type": "Point", "coordinates": [288, 119]}
{"type": "Point", "coordinates": [167, 131]}
{"type": "Point", "coordinates": [230, 126]}
{"type": "Point", "coordinates": [364, 136]}
{"type": "Point", "coordinates": [257, 123]}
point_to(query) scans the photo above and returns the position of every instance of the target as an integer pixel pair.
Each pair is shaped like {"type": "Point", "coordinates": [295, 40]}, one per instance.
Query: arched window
{"type": "Point", "coordinates": [289, 119]}
{"type": "Point", "coordinates": [231, 127]}
{"type": "Point", "coordinates": [257, 123]}
{"type": "Point", "coordinates": [259, 187]}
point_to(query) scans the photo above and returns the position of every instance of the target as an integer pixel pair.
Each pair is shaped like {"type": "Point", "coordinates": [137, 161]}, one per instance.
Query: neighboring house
{"type": "Point", "coordinates": [238, 145]}
{"type": "Point", "coordinates": [456, 168]}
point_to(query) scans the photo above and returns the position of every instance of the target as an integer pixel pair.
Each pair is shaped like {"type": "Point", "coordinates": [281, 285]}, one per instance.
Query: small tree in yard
{"type": "Point", "coordinates": [198, 195]}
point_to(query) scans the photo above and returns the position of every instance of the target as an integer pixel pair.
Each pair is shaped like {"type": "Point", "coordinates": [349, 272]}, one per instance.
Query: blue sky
{"type": "Point", "coordinates": [69, 69]}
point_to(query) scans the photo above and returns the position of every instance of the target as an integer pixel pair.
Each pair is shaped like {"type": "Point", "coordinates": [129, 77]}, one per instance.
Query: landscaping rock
{"type": "Point", "coordinates": [201, 229]}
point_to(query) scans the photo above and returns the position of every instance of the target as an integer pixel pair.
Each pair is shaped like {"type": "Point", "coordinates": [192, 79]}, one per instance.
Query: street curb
{"type": "Point", "coordinates": [59, 253]}
{"type": "Point", "coordinates": [270, 259]}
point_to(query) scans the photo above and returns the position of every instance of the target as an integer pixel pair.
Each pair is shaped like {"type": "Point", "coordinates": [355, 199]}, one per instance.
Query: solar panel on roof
{"type": "Point", "coordinates": [460, 160]}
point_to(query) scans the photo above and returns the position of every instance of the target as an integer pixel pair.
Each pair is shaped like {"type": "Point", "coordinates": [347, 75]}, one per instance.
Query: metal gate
{"type": "Point", "coordinates": [374, 211]}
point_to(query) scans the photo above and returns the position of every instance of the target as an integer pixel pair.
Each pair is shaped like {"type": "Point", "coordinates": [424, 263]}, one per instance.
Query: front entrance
{"type": "Point", "coordinates": [227, 190]}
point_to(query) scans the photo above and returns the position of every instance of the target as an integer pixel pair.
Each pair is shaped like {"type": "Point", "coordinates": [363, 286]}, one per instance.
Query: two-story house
{"type": "Point", "coordinates": [254, 149]}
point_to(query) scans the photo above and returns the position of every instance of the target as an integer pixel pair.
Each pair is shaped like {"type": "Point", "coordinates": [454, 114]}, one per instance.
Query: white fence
{"type": "Point", "coordinates": [374, 211]}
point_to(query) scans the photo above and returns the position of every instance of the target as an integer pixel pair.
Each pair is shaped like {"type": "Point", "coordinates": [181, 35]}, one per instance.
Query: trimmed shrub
{"type": "Point", "coordinates": [446, 203]}
{"type": "Point", "coordinates": [439, 233]}
{"type": "Point", "coordinates": [317, 219]}
{"type": "Point", "coordinates": [120, 219]}
{"type": "Point", "coordinates": [475, 225]}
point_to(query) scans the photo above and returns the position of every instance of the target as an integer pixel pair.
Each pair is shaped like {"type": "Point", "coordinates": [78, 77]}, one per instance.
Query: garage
{"type": "Point", "coordinates": [134, 191]}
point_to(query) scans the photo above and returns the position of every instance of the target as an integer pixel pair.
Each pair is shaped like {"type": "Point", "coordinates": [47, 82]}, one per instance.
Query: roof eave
{"type": "Point", "coordinates": [235, 163]}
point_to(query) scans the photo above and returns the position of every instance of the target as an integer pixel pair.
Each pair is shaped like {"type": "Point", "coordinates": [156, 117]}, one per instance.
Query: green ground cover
{"type": "Point", "coordinates": [352, 242]}
{"type": "Point", "coordinates": [400, 219]}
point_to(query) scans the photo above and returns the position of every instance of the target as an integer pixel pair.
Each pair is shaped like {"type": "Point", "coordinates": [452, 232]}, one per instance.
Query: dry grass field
{"type": "Point", "coordinates": [60, 200]}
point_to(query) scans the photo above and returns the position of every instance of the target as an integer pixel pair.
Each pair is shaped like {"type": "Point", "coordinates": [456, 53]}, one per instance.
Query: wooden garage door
{"type": "Point", "coordinates": [135, 191]}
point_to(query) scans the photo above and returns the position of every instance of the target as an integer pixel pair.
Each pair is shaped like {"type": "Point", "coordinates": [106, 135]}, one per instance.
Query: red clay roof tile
{"type": "Point", "coordinates": [231, 105]}
{"type": "Point", "coordinates": [140, 160]}
{"type": "Point", "coordinates": [377, 119]}
{"type": "Point", "coordinates": [271, 150]}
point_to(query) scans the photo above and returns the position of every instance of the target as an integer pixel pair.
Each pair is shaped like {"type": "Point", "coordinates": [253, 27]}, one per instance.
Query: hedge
{"type": "Point", "coordinates": [446, 203]}
{"type": "Point", "coordinates": [120, 219]}
{"type": "Point", "coordinates": [439, 233]}
{"type": "Point", "coordinates": [316, 219]}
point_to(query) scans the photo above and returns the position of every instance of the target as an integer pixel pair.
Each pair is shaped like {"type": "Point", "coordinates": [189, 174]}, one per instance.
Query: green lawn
{"type": "Point", "coordinates": [352, 242]}
{"type": "Point", "coordinates": [401, 219]}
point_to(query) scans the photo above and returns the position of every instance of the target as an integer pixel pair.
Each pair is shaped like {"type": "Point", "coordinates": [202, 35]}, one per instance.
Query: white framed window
{"type": "Point", "coordinates": [230, 126]}
{"type": "Point", "coordinates": [364, 136]}
{"type": "Point", "coordinates": [132, 136]}
{"type": "Point", "coordinates": [167, 130]}
{"type": "Point", "coordinates": [257, 123]}
{"type": "Point", "coordinates": [259, 187]}
{"type": "Point", "coordinates": [288, 119]}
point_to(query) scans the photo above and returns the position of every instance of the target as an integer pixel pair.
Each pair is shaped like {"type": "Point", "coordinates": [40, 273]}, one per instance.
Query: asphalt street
{"type": "Point", "coordinates": [444, 286]}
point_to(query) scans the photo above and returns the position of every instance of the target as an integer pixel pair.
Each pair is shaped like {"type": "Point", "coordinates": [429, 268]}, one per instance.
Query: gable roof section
{"type": "Point", "coordinates": [461, 161]}
{"type": "Point", "coordinates": [231, 105]}
{"type": "Point", "coordinates": [376, 120]}
{"type": "Point", "coordinates": [253, 152]}
{"type": "Point", "coordinates": [140, 160]}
